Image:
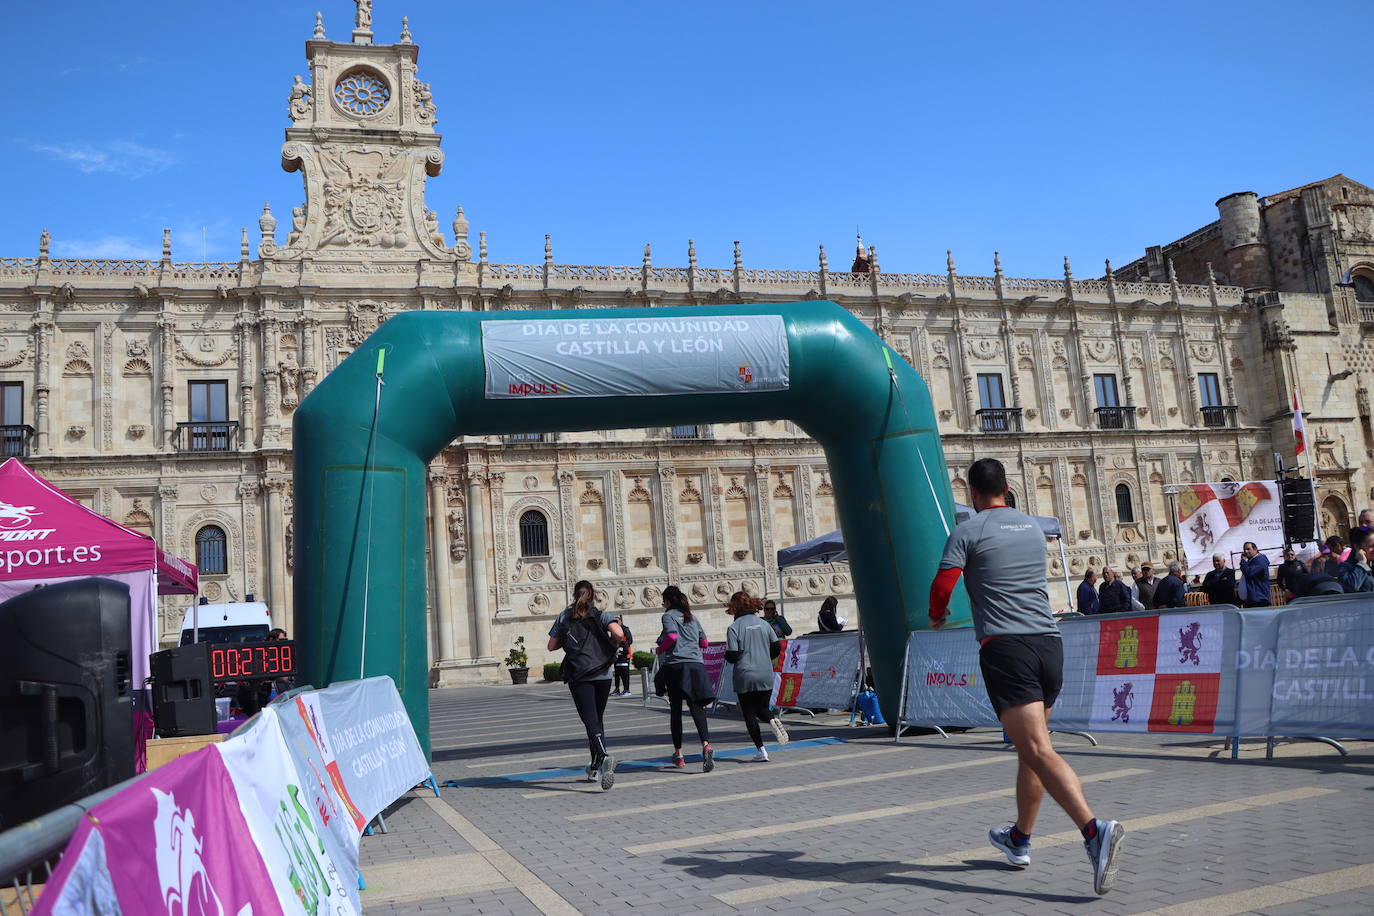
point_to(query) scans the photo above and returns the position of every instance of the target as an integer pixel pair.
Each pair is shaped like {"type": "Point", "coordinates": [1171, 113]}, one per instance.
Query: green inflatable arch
{"type": "Point", "coordinates": [449, 374]}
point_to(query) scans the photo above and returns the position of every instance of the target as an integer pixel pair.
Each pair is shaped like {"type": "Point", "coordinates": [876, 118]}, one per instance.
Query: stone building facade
{"type": "Point", "coordinates": [161, 392]}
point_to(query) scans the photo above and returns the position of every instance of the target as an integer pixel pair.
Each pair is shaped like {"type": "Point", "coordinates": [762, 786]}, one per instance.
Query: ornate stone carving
{"type": "Point", "coordinates": [457, 535]}
{"type": "Point", "coordinates": [298, 104]}
{"type": "Point", "coordinates": [985, 348]}
{"type": "Point", "coordinates": [1098, 350]}
{"type": "Point", "coordinates": [136, 431]}
{"type": "Point", "coordinates": [424, 102]}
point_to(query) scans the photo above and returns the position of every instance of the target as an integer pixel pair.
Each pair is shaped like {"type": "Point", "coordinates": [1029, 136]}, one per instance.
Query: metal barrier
{"type": "Point", "coordinates": [31, 849]}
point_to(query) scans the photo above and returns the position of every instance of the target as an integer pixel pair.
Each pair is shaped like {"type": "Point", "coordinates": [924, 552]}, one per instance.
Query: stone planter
{"type": "Point", "coordinates": [519, 675]}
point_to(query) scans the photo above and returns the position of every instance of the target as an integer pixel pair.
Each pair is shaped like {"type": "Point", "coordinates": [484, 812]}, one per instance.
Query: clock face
{"type": "Point", "coordinates": [362, 91]}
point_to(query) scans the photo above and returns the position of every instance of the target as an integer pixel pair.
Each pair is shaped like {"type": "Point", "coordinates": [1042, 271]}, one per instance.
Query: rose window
{"type": "Point", "coordinates": [361, 92]}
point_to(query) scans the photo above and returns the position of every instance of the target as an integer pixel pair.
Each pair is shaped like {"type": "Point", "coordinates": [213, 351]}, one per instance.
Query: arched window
{"type": "Point", "coordinates": [534, 534]}
{"type": "Point", "coordinates": [211, 554]}
{"type": "Point", "coordinates": [1011, 499]}
{"type": "Point", "coordinates": [1125, 513]}
{"type": "Point", "coordinates": [1364, 288]}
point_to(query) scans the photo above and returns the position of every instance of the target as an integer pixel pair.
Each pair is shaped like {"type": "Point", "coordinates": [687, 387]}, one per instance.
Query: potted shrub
{"type": "Point", "coordinates": [518, 662]}
{"type": "Point", "coordinates": [553, 671]}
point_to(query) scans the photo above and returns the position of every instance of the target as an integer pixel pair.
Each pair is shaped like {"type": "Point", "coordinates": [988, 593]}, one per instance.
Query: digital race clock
{"type": "Point", "coordinates": [247, 661]}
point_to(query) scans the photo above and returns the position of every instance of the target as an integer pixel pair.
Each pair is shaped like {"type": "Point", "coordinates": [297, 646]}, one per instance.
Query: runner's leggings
{"type": "Point", "coordinates": [622, 678]}
{"type": "Point", "coordinates": [590, 699]}
{"type": "Point", "coordinates": [754, 705]}
{"type": "Point", "coordinates": [675, 700]}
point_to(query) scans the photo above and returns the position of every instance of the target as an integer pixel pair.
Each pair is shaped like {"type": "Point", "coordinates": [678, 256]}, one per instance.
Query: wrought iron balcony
{"type": "Point", "coordinates": [528, 437]}
{"type": "Point", "coordinates": [689, 432]}
{"type": "Point", "coordinates": [1219, 416]}
{"type": "Point", "coordinates": [999, 419]}
{"type": "Point", "coordinates": [1115, 417]}
{"type": "Point", "coordinates": [15, 441]}
{"type": "Point", "coordinates": [207, 436]}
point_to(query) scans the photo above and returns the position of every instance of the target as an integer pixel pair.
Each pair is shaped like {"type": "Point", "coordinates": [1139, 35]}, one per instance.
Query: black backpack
{"type": "Point", "coordinates": [588, 649]}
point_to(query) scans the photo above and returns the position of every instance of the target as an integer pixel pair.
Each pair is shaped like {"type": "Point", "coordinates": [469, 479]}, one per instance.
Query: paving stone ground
{"type": "Point", "coordinates": [844, 821]}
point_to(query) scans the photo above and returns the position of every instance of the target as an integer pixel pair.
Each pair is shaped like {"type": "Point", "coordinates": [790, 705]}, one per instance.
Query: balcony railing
{"type": "Point", "coordinates": [529, 437]}
{"type": "Point", "coordinates": [1115, 417]}
{"type": "Point", "coordinates": [689, 432]}
{"type": "Point", "coordinates": [999, 419]}
{"type": "Point", "coordinates": [15, 441]}
{"type": "Point", "coordinates": [1366, 313]}
{"type": "Point", "coordinates": [207, 436]}
{"type": "Point", "coordinates": [1219, 416]}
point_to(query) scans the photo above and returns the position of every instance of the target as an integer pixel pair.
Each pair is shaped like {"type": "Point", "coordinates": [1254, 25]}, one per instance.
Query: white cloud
{"type": "Point", "coordinates": [106, 246]}
{"type": "Point", "coordinates": [119, 157]}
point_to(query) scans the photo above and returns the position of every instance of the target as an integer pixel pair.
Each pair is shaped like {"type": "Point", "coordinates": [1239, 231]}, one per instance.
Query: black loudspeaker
{"type": "Point", "coordinates": [183, 694]}
{"type": "Point", "coordinates": [66, 703]}
{"type": "Point", "coordinates": [1299, 509]}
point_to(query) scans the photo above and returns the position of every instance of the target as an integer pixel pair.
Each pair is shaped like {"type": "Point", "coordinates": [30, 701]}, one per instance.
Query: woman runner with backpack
{"type": "Point", "coordinates": [588, 638]}
{"type": "Point", "coordinates": [680, 646]}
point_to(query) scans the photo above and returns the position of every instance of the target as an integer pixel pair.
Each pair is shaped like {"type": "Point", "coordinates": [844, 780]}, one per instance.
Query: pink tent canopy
{"type": "Point", "coordinates": [45, 534]}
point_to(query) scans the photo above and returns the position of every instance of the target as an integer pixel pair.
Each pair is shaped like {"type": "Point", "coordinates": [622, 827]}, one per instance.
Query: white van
{"type": "Point", "coordinates": [242, 621]}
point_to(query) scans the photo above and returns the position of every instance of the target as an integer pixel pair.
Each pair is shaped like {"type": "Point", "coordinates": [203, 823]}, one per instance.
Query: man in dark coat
{"type": "Point", "coordinates": [1290, 571]}
{"type": "Point", "coordinates": [1114, 597]}
{"type": "Point", "coordinates": [1171, 590]}
{"type": "Point", "coordinates": [1087, 594]}
{"type": "Point", "coordinates": [1220, 583]}
{"type": "Point", "coordinates": [1145, 585]}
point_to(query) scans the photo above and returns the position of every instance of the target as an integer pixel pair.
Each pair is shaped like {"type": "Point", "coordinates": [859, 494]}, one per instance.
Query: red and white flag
{"type": "Point", "coordinates": [1299, 434]}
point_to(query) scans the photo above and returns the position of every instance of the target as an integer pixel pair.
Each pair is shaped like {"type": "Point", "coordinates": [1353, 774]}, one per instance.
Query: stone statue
{"type": "Point", "coordinates": [290, 371]}
{"type": "Point", "coordinates": [44, 242]}
{"type": "Point", "coordinates": [364, 17]}
{"type": "Point", "coordinates": [298, 106]}
{"type": "Point", "coordinates": [297, 225]}
{"type": "Point", "coordinates": [424, 102]}
{"type": "Point", "coordinates": [432, 227]}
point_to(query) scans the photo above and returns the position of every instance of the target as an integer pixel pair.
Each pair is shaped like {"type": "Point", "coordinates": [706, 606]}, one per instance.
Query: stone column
{"type": "Point", "coordinates": [42, 342]}
{"type": "Point", "coordinates": [477, 558]}
{"type": "Point", "coordinates": [439, 552]}
{"type": "Point", "coordinates": [247, 439]}
{"type": "Point", "coordinates": [166, 373]}
{"type": "Point", "coordinates": [166, 532]}
{"type": "Point", "coordinates": [271, 390]}
{"type": "Point", "coordinates": [275, 552]}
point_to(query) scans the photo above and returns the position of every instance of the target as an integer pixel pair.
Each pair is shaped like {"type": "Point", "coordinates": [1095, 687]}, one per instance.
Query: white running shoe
{"type": "Point", "coordinates": [1017, 853]}
{"type": "Point", "coordinates": [760, 756]}
{"type": "Point", "coordinates": [1102, 850]}
{"type": "Point", "coordinates": [778, 731]}
{"type": "Point", "coordinates": [607, 770]}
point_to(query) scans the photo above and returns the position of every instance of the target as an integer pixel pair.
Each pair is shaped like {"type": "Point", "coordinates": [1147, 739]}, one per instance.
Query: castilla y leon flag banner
{"type": "Point", "coordinates": [1220, 517]}
{"type": "Point", "coordinates": [1299, 431]}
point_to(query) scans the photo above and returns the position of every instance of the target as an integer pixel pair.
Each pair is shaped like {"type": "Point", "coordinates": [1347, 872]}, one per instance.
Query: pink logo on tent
{"type": "Point", "coordinates": [12, 517]}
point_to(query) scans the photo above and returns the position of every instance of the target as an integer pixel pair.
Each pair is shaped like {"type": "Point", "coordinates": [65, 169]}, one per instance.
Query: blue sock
{"type": "Point", "coordinates": [1090, 829]}
{"type": "Point", "coordinates": [1019, 838]}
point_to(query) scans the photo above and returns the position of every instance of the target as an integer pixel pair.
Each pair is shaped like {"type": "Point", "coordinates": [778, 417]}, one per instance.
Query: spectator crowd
{"type": "Point", "coordinates": [1342, 565]}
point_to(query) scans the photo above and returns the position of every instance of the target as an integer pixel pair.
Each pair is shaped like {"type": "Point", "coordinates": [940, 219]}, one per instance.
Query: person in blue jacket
{"type": "Point", "coordinates": [1254, 572]}
{"type": "Point", "coordinates": [1355, 573]}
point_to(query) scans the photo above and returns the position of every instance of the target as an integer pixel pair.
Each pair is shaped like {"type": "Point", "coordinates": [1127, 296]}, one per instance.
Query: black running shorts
{"type": "Point", "coordinates": [1022, 669]}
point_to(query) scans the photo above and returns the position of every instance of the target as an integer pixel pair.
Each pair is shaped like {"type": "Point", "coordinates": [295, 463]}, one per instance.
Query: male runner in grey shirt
{"type": "Point", "coordinates": [1001, 554]}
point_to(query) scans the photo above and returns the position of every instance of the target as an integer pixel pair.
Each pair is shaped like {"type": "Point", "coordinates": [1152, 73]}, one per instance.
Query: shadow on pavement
{"type": "Point", "coordinates": [783, 866]}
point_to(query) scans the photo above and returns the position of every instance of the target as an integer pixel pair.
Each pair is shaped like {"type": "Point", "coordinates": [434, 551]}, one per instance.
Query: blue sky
{"type": "Point", "coordinates": [1040, 130]}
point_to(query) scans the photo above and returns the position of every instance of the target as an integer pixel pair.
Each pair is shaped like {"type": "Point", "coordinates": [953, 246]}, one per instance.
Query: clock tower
{"type": "Point", "coordinates": [362, 136]}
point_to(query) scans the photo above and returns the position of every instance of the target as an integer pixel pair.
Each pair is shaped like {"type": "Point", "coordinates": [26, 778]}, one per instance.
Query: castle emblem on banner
{"type": "Point", "coordinates": [746, 374]}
